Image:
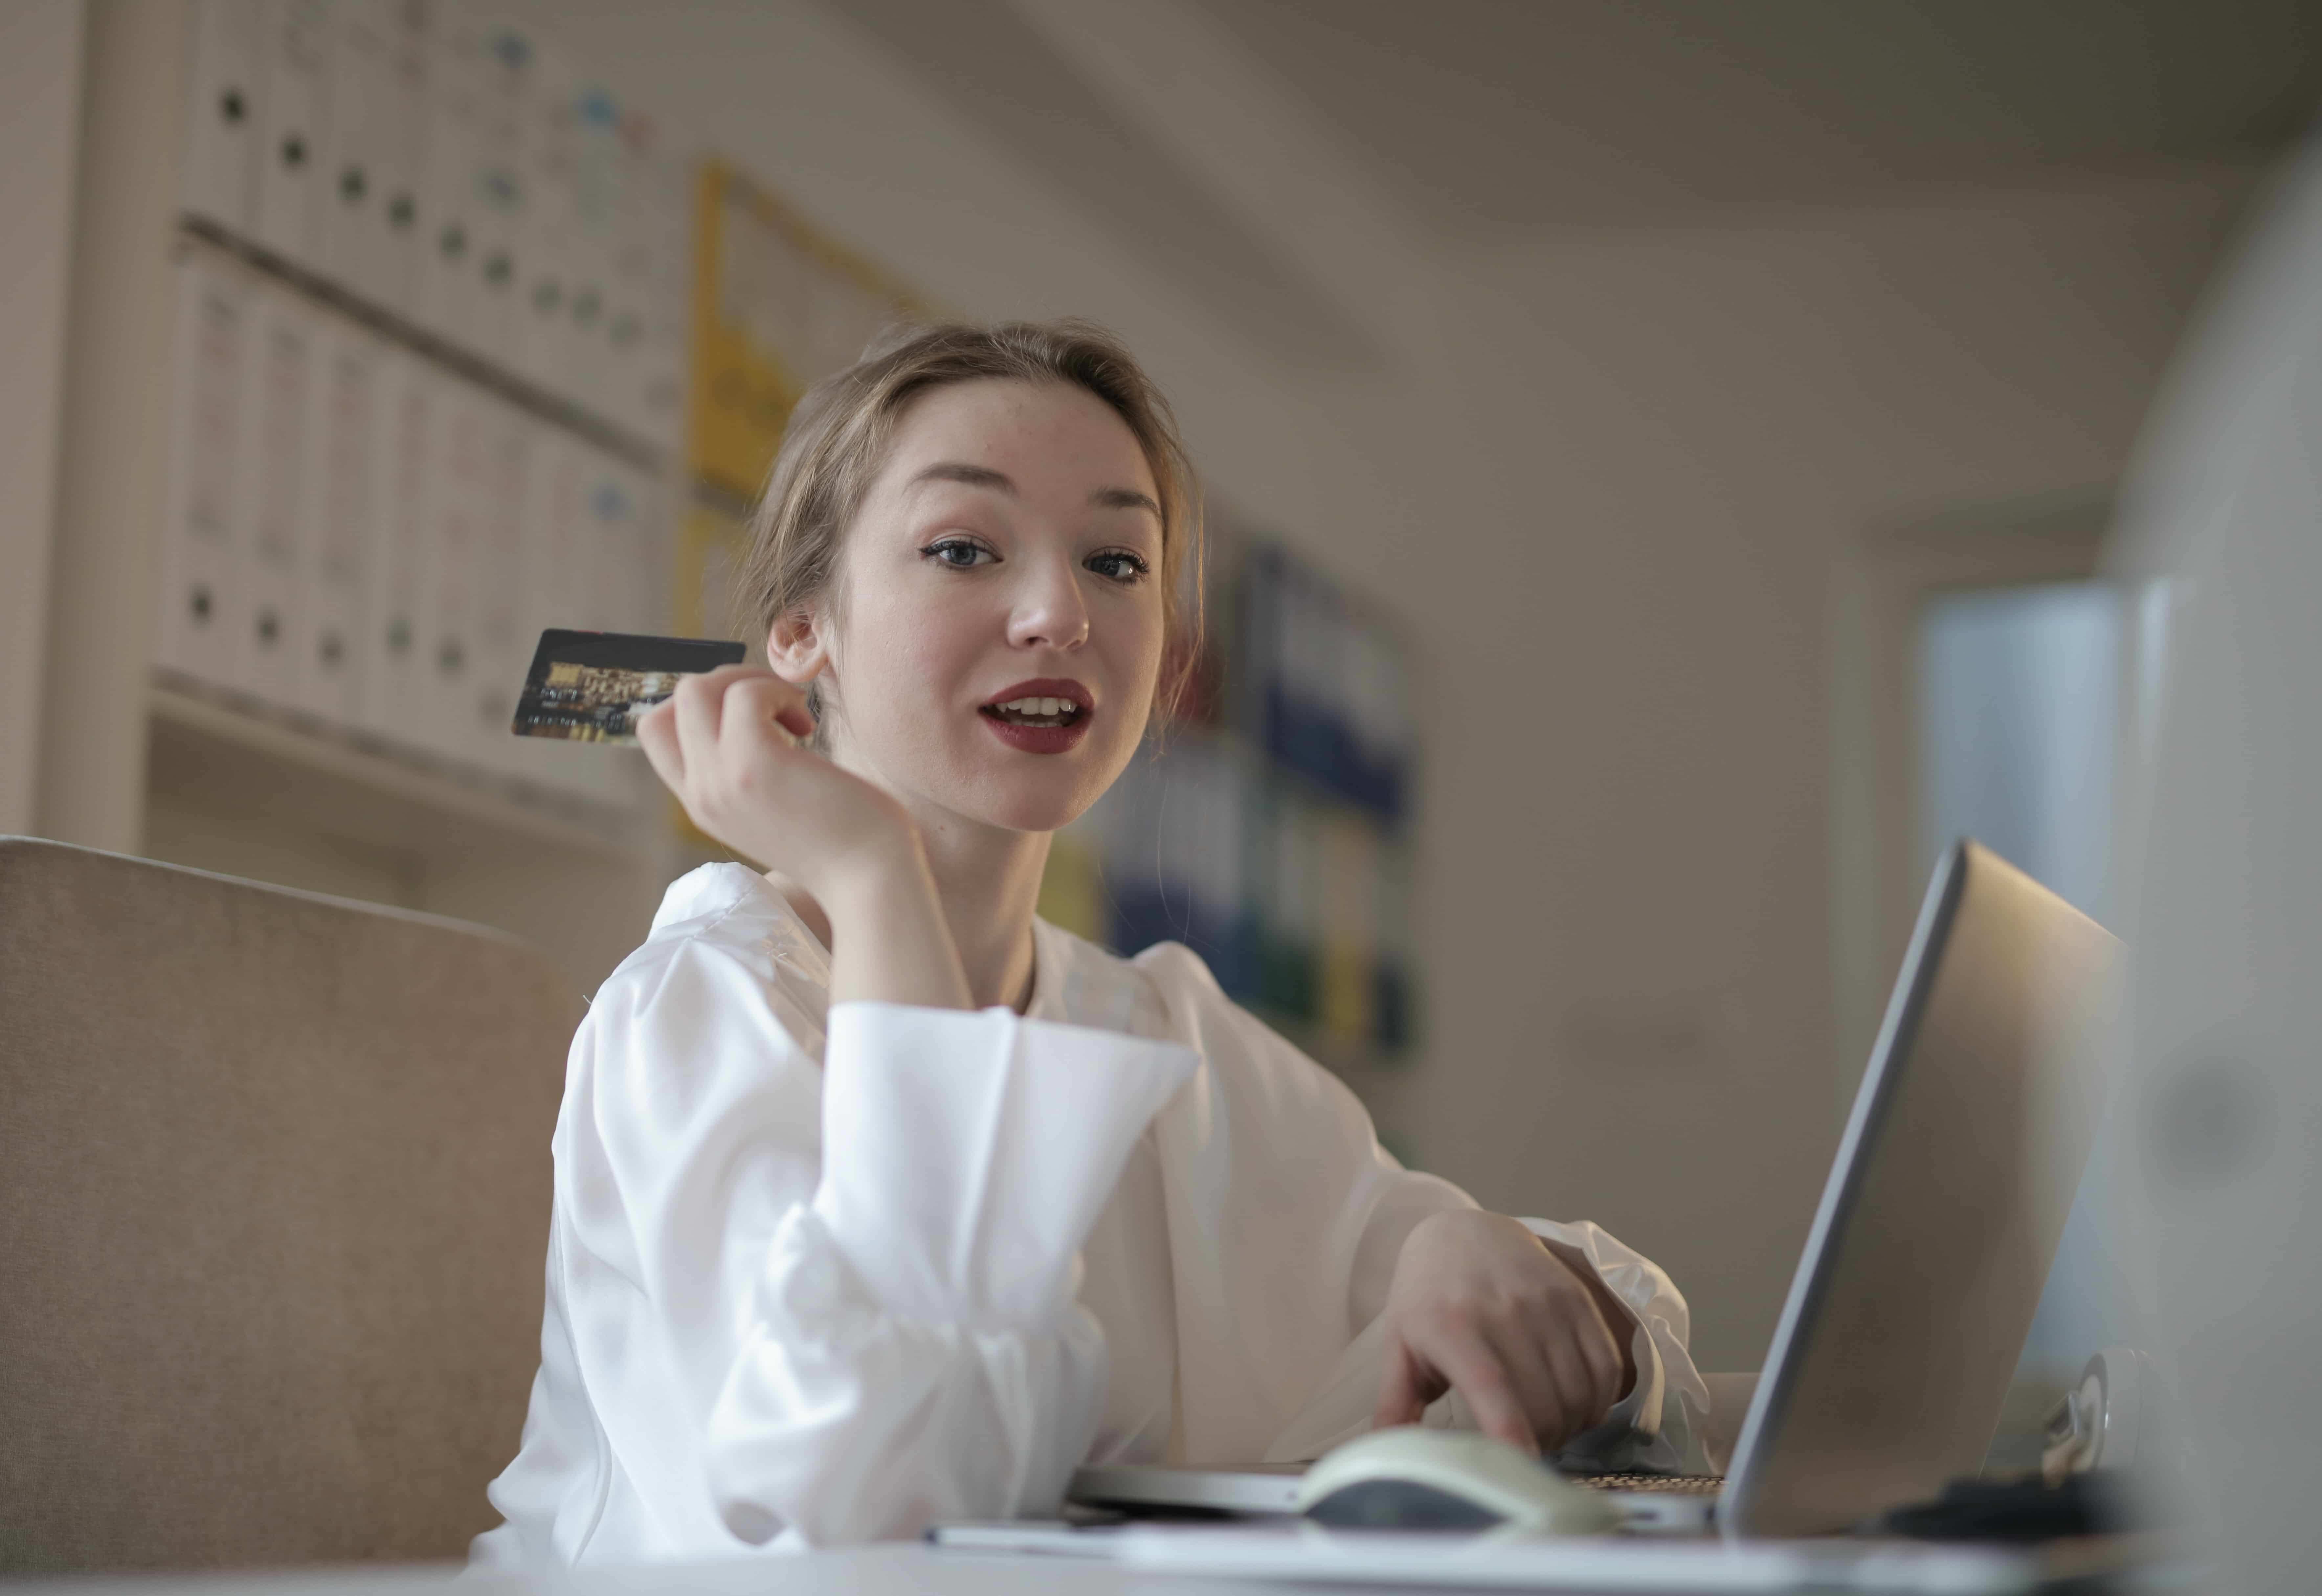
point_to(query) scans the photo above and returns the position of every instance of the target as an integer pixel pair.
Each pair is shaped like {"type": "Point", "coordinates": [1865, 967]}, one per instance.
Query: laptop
{"type": "Point", "coordinates": [1927, 1254]}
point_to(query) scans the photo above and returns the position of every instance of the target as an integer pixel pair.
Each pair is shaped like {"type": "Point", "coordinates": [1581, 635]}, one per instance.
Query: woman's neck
{"type": "Point", "coordinates": [988, 880]}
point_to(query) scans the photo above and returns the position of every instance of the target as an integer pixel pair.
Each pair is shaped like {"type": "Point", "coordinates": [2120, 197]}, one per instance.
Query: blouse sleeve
{"type": "Point", "coordinates": [1322, 1214]}
{"type": "Point", "coordinates": [845, 1343]}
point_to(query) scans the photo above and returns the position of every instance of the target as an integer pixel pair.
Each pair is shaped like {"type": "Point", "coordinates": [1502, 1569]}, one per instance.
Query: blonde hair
{"type": "Point", "coordinates": [839, 434]}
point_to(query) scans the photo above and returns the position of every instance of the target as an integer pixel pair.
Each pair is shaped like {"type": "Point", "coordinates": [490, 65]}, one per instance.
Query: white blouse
{"type": "Point", "coordinates": [822, 1274]}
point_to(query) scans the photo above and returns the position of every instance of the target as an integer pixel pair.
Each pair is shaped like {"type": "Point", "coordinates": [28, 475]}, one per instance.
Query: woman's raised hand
{"type": "Point", "coordinates": [724, 743]}
{"type": "Point", "coordinates": [727, 743]}
{"type": "Point", "coordinates": [1532, 1339]}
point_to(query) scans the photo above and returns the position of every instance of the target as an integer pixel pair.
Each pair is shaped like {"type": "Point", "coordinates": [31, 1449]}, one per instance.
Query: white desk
{"type": "Point", "coordinates": [918, 1570]}
{"type": "Point", "coordinates": [895, 1570]}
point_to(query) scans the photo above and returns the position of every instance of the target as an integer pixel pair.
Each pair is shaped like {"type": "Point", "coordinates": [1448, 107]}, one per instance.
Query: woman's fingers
{"type": "Point", "coordinates": [1532, 1385]}
{"type": "Point", "coordinates": [1549, 1403]}
{"type": "Point", "coordinates": [691, 739]}
{"type": "Point", "coordinates": [1477, 1372]}
{"type": "Point", "coordinates": [700, 702]}
{"type": "Point", "coordinates": [1576, 1387]}
{"type": "Point", "coordinates": [1602, 1352]}
{"type": "Point", "coordinates": [657, 735]}
{"type": "Point", "coordinates": [1405, 1388]}
{"type": "Point", "coordinates": [1584, 1346]}
{"type": "Point", "coordinates": [761, 700]}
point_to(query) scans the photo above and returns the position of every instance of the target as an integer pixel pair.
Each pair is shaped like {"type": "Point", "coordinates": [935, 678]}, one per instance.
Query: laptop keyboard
{"type": "Point", "coordinates": [1662, 1484]}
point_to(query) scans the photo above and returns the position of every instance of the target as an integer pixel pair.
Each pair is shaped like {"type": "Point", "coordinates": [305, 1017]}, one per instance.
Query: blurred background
{"type": "Point", "coordinates": [1660, 455]}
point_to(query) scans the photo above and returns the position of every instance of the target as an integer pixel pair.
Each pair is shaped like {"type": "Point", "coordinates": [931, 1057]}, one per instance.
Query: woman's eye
{"type": "Point", "coordinates": [958, 554]}
{"type": "Point", "coordinates": [1119, 564]}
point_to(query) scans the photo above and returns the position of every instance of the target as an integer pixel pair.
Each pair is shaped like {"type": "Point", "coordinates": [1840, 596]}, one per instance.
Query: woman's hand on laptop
{"type": "Point", "coordinates": [1481, 1305]}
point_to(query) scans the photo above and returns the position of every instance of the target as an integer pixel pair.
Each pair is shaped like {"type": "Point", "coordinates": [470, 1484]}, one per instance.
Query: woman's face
{"type": "Point", "coordinates": [993, 640]}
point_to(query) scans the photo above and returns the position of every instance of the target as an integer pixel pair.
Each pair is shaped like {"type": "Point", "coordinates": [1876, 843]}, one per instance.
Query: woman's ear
{"type": "Point", "coordinates": [795, 648]}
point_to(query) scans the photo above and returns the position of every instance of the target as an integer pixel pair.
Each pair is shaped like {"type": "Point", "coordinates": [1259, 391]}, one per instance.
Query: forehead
{"type": "Point", "coordinates": [1052, 434]}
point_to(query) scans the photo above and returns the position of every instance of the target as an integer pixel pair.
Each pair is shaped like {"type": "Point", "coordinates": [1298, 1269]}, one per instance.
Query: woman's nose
{"type": "Point", "coordinates": [1051, 612]}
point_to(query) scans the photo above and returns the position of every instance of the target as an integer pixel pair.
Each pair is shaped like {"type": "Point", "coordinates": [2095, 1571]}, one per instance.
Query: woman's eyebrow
{"type": "Point", "coordinates": [1103, 498]}
{"type": "Point", "coordinates": [959, 472]}
{"type": "Point", "coordinates": [1124, 499]}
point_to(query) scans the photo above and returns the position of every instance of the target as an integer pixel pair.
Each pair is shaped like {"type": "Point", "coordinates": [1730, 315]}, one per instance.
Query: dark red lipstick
{"type": "Point", "coordinates": [1046, 714]}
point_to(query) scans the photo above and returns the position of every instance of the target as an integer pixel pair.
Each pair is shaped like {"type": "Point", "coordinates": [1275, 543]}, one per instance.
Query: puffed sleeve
{"type": "Point", "coordinates": [1285, 1211]}
{"type": "Point", "coordinates": [818, 1306]}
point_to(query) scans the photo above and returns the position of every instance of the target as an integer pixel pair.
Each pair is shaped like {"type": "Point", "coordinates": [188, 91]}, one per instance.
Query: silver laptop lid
{"type": "Point", "coordinates": [1926, 1258]}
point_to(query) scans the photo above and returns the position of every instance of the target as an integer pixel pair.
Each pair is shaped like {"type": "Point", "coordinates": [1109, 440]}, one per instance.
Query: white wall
{"type": "Point", "coordinates": [1606, 477]}
{"type": "Point", "coordinates": [40, 115]}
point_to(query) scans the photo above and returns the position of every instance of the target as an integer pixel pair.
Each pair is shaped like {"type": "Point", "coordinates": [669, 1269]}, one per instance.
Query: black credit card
{"type": "Point", "coordinates": [590, 686]}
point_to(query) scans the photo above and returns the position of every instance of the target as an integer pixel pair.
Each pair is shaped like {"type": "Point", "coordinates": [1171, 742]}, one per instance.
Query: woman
{"type": "Point", "coordinates": [880, 1201]}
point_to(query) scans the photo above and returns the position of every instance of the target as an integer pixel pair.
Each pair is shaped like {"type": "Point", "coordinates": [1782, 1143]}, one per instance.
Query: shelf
{"type": "Point", "coordinates": [520, 391]}
{"type": "Point", "coordinates": [268, 765]}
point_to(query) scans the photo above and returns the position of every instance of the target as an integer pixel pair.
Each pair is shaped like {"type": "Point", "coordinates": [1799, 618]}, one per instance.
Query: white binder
{"type": "Point", "coordinates": [548, 249]}
{"type": "Point", "coordinates": [507, 67]}
{"type": "Point", "coordinates": [446, 293]}
{"type": "Point", "coordinates": [402, 216]}
{"type": "Point", "coordinates": [390, 669]}
{"type": "Point", "coordinates": [221, 113]}
{"type": "Point", "coordinates": [611, 519]}
{"type": "Point", "coordinates": [501, 651]}
{"type": "Point", "coordinates": [293, 51]}
{"type": "Point", "coordinates": [343, 495]}
{"type": "Point", "coordinates": [353, 184]}
{"type": "Point", "coordinates": [456, 497]}
{"type": "Point", "coordinates": [555, 579]}
{"type": "Point", "coordinates": [198, 620]}
{"type": "Point", "coordinates": [598, 170]}
{"type": "Point", "coordinates": [645, 606]}
{"type": "Point", "coordinates": [270, 577]}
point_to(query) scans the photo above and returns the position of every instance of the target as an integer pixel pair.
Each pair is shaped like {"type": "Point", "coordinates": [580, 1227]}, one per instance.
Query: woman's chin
{"type": "Point", "coordinates": [1030, 801]}
{"type": "Point", "coordinates": [1033, 813]}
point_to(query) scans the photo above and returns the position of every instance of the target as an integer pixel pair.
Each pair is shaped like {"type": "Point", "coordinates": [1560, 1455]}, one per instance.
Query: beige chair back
{"type": "Point", "coordinates": [274, 1186]}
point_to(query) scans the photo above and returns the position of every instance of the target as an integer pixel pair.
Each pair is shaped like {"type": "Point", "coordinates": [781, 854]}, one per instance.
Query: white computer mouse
{"type": "Point", "coordinates": [1415, 1478]}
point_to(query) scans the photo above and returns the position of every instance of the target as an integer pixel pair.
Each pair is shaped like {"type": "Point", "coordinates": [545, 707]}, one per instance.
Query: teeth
{"type": "Point", "coordinates": [1048, 708]}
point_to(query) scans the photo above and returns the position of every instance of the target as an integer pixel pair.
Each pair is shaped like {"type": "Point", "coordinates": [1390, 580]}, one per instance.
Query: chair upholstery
{"type": "Point", "coordinates": [274, 1188]}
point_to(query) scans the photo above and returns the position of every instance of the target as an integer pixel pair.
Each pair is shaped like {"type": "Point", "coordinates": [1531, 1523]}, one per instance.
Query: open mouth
{"type": "Point", "coordinates": [1042, 711]}
{"type": "Point", "coordinates": [1046, 714]}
